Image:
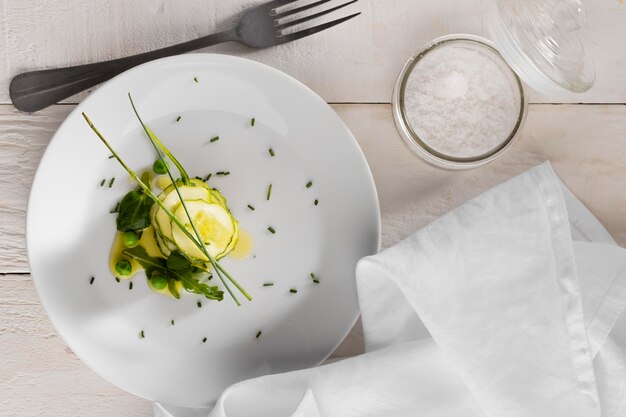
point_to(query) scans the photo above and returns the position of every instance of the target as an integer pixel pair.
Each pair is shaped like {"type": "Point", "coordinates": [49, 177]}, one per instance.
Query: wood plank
{"type": "Point", "coordinates": [587, 145]}
{"type": "Point", "coordinates": [355, 62]}
{"type": "Point", "coordinates": [39, 375]}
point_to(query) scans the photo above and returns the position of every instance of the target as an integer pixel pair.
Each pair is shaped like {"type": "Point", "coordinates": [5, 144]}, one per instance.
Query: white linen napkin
{"type": "Point", "coordinates": [509, 306]}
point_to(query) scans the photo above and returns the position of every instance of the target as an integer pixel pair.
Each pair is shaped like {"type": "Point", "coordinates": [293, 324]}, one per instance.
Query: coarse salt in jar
{"type": "Point", "coordinates": [460, 102]}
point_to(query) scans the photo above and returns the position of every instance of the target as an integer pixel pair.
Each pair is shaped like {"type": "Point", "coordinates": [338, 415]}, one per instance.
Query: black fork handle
{"type": "Point", "coordinates": [36, 90]}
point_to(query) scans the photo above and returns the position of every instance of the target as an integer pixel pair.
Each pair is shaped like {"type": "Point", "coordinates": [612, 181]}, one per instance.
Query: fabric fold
{"type": "Point", "coordinates": [505, 307]}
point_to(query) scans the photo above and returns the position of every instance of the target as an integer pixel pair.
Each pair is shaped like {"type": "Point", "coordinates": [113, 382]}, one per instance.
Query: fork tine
{"type": "Point", "coordinates": [313, 16]}
{"type": "Point", "coordinates": [315, 29]}
{"type": "Point", "coordinates": [277, 3]}
{"type": "Point", "coordinates": [300, 9]}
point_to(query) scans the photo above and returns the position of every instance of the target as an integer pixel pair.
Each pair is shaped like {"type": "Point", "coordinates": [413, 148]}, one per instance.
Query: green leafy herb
{"type": "Point", "coordinates": [271, 230]}
{"type": "Point", "coordinates": [134, 211]}
{"type": "Point", "coordinates": [172, 288]}
{"type": "Point", "coordinates": [178, 262]}
{"type": "Point", "coordinates": [215, 139]}
{"type": "Point", "coordinates": [269, 192]}
{"type": "Point", "coordinates": [309, 184]}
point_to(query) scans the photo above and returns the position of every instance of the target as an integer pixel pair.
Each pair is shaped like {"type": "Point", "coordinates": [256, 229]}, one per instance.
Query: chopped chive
{"type": "Point", "coordinates": [178, 118]}
{"type": "Point", "coordinates": [316, 281]}
{"type": "Point", "coordinates": [102, 183]}
{"type": "Point", "coordinates": [269, 192]}
{"type": "Point", "coordinates": [172, 321]}
{"type": "Point", "coordinates": [252, 122]}
{"type": "Point", "coordinates": [111, 182]}
{"type": "Point", "coordinates": [116, 209]}
{"type": "Point", "coordinates": [117, 279]}
{"type": "Point", "coordinates": [271, 151]}
{"type": "Point", "coordinates": [309, 184]}
{"type": "Point", "coordinates": [198, 178]}
{"type": "Point", "coordinates": [259, 333]}
{"type": "Point", "coordinates": [204, 340]}
{"type": "Point", "coordinates": [222, 173]}
{"type": "Point", "coordinates": [272, 230]}
{"type": "Point", "coordinates": [208, 177]}
{"type": "Point", "coordinates": [268, 284]}
{"type": "Point", "coordinates": [293, 291]}
{"type": "Point", "coordinates": [142, 334]}
{"type": "Point", "coordinates": [111, 156]}
{"type": "Point", "coordinates": [215, 139]}
{"type": "Point", "coordinates": [199, 304]}
{"type": "Point", "coordinates": [195, 79]}
{"type": "Point", "coordinates": [130, 285]}
{"type": "Point", "coordinates": [92, 280]}
{"type": "Point", "coordinates": [316, 202]}
{"type": "Point", "coordinates": [251, 207]}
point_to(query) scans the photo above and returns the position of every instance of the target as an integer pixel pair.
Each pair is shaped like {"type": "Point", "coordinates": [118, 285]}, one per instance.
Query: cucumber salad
{"type": "Point", "coordinates": [176, 234]}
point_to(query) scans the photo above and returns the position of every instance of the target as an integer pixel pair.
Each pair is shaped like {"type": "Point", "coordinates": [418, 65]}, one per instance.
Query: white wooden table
{"type": "Point", "coordinates": [354, 68]}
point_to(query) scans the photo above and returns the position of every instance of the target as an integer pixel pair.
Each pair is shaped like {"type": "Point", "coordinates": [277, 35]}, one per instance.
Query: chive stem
{"type": "Point", "coordinates": [102, 183]}
{"type": "Point", "coordinates": [309, 184]}
{"type": "Point", "coordinates": [204, 340]}
{"type": "Point", "coordinates": [252, 122]}
{"type": "Point", "coordinates": [259, 333]}
{"type": "Point", "coordinates": [271, 230]}
{"type": "Point", "coordinates": [215, 139]}
{"type": "Point", "coordinates": [268, 284]}
{"type": "Point", "coordinates": [251, 207]}
{"type": "Point", "coordinates": [293, 291]}
{"type": "Point", "coordinates": [271, 151]}
{"type": "Point", "coordinates": [178, 118]}
{"type": "Point", "coordinates": [269, 192]}
{"type": "Point", "coordinates": [111, 182]}
{"type": "Point", "coordinates": [92, 280]}
{"type": "Point", "coordinates": [142, 334]}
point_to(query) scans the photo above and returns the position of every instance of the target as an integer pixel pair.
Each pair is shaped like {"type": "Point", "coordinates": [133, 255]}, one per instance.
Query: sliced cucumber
{"type": "Point", "coordinates": [172, 202]}
{"type": "Point", "coordinates": [216, 227]}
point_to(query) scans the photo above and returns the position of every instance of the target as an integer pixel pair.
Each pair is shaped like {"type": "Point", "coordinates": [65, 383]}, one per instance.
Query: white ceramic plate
{"type": "Point", "coordinates": [70, 229]}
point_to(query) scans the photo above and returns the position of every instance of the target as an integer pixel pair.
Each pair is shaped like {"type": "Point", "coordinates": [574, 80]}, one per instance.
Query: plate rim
{"type": "Point", "coordinates": [200, 57]}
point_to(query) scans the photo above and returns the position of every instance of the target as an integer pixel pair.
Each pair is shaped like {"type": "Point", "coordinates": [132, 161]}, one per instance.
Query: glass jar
{"type": "Point", "coordinates": [460, 102]}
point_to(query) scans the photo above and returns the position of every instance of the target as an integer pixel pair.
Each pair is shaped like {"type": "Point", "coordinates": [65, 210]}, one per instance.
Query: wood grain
{"type": "Point", "coordinates": [40, 376]}
{"type": "Point", "coordinates": [587, 145]}
{"type": "Point", "coordinates": [354, 62]}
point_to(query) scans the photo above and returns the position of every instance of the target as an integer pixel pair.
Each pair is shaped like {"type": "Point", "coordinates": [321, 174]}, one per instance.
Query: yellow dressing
{"type": "Point", "coordinates": [244, 246]}
{"type": "Point", "coordinates": [163, 182]}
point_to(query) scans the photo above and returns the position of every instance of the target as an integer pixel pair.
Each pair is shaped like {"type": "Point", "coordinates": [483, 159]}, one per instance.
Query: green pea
{"type": "Point", "coordinates": [159, 167]}
{"type": "Point", "coordinates": [123, 267]}
{"type": "Point", "coordinates": [130, 239]}
{"type": "Point", "coordinates": [158, 281]}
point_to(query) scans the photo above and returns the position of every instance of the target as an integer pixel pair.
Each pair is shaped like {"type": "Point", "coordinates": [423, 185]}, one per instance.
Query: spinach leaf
{"type": "Point", "coordinates": [134, 211]}
{"type": "Point", "coordinates": [191, 284]}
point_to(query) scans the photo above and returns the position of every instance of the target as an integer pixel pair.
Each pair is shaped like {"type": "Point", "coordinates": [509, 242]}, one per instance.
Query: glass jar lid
{"type": "Point", "coordinates": [539, 40]}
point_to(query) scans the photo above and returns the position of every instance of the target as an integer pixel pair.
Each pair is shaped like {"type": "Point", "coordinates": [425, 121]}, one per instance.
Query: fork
{"type": "Point", "coordinates": [258, 27]}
